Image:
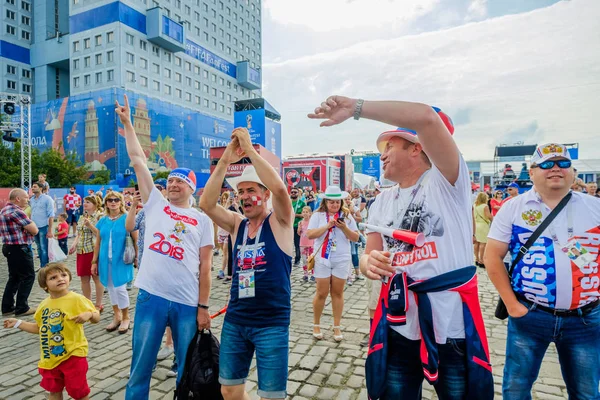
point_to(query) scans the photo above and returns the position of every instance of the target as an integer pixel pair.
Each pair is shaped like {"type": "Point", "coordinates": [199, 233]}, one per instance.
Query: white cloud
{"type": "Point", "coordinates": [330, 15]}
{"type": "Point", "coordinates": [505, 74]}
{"type": "Point", "coordinates": [477, 10]}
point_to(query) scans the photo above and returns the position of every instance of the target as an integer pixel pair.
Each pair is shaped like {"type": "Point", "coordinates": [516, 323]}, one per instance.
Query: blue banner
{"type": "Point", "coordinates": [200, 53]}
{"type": "Point", "coordinates": [273, 137]}
{"type": "Point", "coordinates": [254, 121]}
{"type": "Point", "coordinates": [370, 166]}
{"type": "Point", "coordinates": [172, 29]}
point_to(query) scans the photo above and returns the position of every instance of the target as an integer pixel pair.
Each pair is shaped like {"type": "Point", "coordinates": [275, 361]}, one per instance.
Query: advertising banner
{"type": "Point", "coordinates": [348, 173]}
{"type": "Point", "coordinates": [254, 121]}
{"type": "Point", "coordinates": [273, 137]}
{"type": "Point", "coordinates": [308, 174]}
{"type": "Point", "coordinates": [370, 166]}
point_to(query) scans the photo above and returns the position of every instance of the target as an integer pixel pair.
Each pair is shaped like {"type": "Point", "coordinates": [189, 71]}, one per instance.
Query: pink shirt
{"type": "Point", "coordinates": [304, 241]}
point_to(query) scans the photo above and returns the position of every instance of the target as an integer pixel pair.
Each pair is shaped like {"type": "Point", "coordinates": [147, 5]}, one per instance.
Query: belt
{"type": "Point", "coordinates": [562, 313]}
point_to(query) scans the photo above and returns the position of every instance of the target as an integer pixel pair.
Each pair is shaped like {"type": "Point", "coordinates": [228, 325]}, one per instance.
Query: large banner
{"type": "Point", "coordinates": [370, 166]}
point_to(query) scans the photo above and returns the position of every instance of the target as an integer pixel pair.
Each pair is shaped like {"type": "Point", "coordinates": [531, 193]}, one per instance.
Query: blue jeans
{"type": "Point", "coordinates": [577, 340]}
{"type": "Point", "coordinates": [405, 373]}
{"type": "Point", "coordinates": [354, 253]}
{"type": "Point", "coordinates": [41, 242]}
{"type": "Point", "coordinates": [272, 347]}
{"type": "Point", "coordinates": [152, 315]}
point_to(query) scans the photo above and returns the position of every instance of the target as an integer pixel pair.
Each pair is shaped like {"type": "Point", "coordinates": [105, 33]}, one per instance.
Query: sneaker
{"type": "Point", "coordinates": [31, 311]}
{"type": "Point", "coordinates": [312, 278]}
{"type": "Point", "coordinates": [164, 353]}
{"type": "Point", "coordinates": [221, 275]}
{"type": "Point", "coordinates": [172, 372]}
{"type": "Point", "coordinates": [350, 282]}
{"type": "Point", "coordinates": [360, 278]}
{"type": "Point", "coordinates": [216, 253]}
{"type": "Point", "coordinates": [305, 278]}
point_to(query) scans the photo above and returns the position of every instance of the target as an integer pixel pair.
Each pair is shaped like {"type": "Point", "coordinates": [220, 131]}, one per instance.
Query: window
{"type": "Point", "coordinates": [156, 85]}
{"type": "Point", "coordinates": [188, 81]}
{"type": "Point", "coordinates": [196, 69]}
{"type": "Point", "coordinates": [11, 30]}
{"type": "Point", "coordinates": [98, 40]}
{"type": "Point", "coordinates": [110, 37]}
{"type": "Point", "coordinates": [143, 63]}
{"type": "Point", "coordinates": [143, 45]}
{"type": "Point", "coordinates": [25, 20]}
{"type": "Point", "coordinates": [168, 56]}
{"type": "Point", "coordinates": [76, 46]}
{"type": "Point", "coordinates": [205, 36]}
{"type": "Point", "coordinates": [11, 2]}
{"type": "Point", "coordinates": [221, 108]}
{"type": "Point", "coordinates": [167, 89]}
{"type": "Point", "coordinates": [156, 68]}
{"type": "Point", "coordinates": [214, 92]}
{"type": "Point", "coordinates": [86, 80]}
{"type": "Point", "coordinates": [214, 106]}
{"type": "Point", "coordinates": [110, 75]}
{"type": "Point", "coordinates": [143, 81]}
{"type": "Point", "coordinates": [205, 88]}
{"type": "Point", "coordinates": [178, 61]}
{"type": "Point", "coordinates": [188, 66]}
{"type": "Point", "coordinates": [221, 81]}
{"type": "Point", "coordinates": [205, 74]}
{"type": "Point", "coordinates": [76, 81]}
{"type": "Point", "coordinates": [156, 51]}
{"type": "Point", "coordinates": [98, 77]}
{"type": "Point", "coordinates": [25, 6]}
{"type": "Point", "coordinates": [228, 110]}
{"type": "Point", "coordinates": [197, 99]}
{"type": "Point", "coordinates": [130, 58]}
{"type": "Point", "coordinates": [229, 97]}
{"type": "Point", "coordinates": [11, 14]}
{"type": "Point", "coordinates": [86, 62]}
{"type": "Point", "coordinates": [129, 39]}
{"type": "Point", "coordinates": [110, 56]}
{"type": "Point", "coordinates": [205, 103]}
{"type": "Point", "coordinates": [11, 69]}
{"type": "Point", "coordinates": [221, 95]}
{"type": "Point", "coordinates": [228, 84]}
{"type": "Point", "coordinates": [178, 93]}
{"type": "Point", "coordinates": [213, 77]}
{"type": "Point", "coordinates": [196, 85]}
{"type": "Point", "coordinates": [99, 59]}
{"type": "Point", "coordinates": [167, 73]}
{"type": "Point", "coordinates": [177, 77]}
{"type": "Point", "coordinates": [86, 43]}
{"type": "Point", "coordinates": [130, 76]}
{"type": "Point", "coordinates": [11, 85]}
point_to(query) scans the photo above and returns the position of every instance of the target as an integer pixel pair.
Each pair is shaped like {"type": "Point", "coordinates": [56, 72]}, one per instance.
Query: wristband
{"type": "Point", "coordinates": [17, 324]}
{"type": "Point", "coordinates": [203, 306]}
{"type": "Point", "coordinates": [358, 109]}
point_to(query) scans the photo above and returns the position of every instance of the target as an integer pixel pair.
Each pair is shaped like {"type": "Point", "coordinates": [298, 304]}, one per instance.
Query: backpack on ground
{"type": "Point", "coordinates": [200, 378]}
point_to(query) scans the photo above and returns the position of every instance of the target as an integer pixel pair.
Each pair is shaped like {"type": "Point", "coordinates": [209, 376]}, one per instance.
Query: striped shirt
{"type": "Point", "coordinates": [13, 220]}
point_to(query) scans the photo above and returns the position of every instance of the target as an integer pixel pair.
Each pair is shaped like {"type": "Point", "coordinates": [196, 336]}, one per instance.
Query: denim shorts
{"type": "Point", "coordinates": [238, 344]}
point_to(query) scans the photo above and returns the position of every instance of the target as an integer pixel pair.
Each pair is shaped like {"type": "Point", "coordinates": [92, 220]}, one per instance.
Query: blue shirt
{"type": "Point", "coordinates": [271, 305]}
{"type": "Point", "coordinates": [114, 232]}
{"type": "Point", "coordinates": [42, 208]}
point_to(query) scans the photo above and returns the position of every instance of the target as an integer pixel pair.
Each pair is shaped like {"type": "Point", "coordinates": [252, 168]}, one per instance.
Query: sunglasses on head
{"type": "Point", "coordinates": [551, 163]}
{"type": "Point", "coordinates": [113, 200]}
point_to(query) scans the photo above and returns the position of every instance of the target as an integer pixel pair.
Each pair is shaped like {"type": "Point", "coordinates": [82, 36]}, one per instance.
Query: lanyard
{"type": "Point", "coordinates": [420, 183]}
{"type": "Point", "coordinates": [245, 243]}
{"type": "Point", "coordinates": [569, 227]}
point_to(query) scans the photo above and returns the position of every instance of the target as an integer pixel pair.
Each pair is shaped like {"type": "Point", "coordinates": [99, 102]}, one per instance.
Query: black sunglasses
{"type": "Point", "coordinates": [113, 200]}
{"type": "Point", "coordinates": [551, 163]}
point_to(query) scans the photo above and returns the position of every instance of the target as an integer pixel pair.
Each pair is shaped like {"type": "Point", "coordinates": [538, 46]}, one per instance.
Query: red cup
{"type": "Point", "coordinates": [414, 238]}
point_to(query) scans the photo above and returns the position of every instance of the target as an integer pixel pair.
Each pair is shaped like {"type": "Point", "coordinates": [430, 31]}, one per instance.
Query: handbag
{"type": "Point", "coordinates": [501, 310]}
{"type": "Point", "coordinates": [129, 251]}
{"type": "Point", "coordinates": [310, 261]}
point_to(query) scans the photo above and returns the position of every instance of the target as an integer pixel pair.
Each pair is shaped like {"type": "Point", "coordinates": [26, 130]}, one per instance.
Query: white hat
{"type": "Point", "coordinates": [333, 193]}
{"type": "Point", "coordinates": [547, 151]}
{"type": "Point", "coordinates": [248, 175]}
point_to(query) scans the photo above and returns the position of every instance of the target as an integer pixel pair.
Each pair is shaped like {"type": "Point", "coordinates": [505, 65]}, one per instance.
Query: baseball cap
{"type": "Point", "coordinates": [547, 151]}
{"type": "Point", "coordinates": [409, 134]}
{"type": "Point", "coordinates": [513, 185]}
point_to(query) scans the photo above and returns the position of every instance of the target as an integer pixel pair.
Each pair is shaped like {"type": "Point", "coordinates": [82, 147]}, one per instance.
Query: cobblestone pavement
{"type": "Point", "coordinates": [317, 369]}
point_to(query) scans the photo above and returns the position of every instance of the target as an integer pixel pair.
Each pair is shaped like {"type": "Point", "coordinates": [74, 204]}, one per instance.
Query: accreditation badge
{"type": "Point", "coordinates": [246, 284]}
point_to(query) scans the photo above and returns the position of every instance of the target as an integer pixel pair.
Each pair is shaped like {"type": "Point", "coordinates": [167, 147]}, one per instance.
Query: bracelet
{"type": "Point", "coordinates": [358, 109]}
{"type": "Point", "coordinates": [18, 324]}
{"type": "Point", "coordinates": [203, 306]}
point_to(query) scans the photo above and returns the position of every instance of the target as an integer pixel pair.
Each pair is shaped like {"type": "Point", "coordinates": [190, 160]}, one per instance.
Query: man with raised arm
{"type": "Point", "coordinates": [420, 330]}
{"type": "Point", "coordinates": [174, 275]}
{"type": "Point", "coordinates": [258, 314]}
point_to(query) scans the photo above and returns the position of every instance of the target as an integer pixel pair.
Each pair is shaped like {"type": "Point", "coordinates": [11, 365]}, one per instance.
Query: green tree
{"type": "Point", "coordinates": [10, 164]}
{"type": "Point", "coordinates": [100, 178]}
{"type": "Point", "coordinates": [162, 174]}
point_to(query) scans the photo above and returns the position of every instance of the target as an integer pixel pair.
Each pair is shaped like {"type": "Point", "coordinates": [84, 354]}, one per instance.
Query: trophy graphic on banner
{"type": "Point", "coordinates": [249, 121]}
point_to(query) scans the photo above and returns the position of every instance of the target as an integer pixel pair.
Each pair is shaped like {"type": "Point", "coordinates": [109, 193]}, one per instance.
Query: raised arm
{"type": "Point", "coordinates": [433, 134]}
{"type": "Point", "coordinates": [282, 205]}
{"type": "Point", "coordinates": [131, 214]}
{"type": "Point", "coordinates": [134, 150]}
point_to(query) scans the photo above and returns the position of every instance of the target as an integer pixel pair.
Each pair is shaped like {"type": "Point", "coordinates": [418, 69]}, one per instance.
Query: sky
{"type": "Point", "coordinates": [506, 71]}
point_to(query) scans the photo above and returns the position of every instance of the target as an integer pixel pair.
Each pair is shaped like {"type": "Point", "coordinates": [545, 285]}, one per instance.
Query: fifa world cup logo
{"type": "Point", "coordinates": [249, 121]}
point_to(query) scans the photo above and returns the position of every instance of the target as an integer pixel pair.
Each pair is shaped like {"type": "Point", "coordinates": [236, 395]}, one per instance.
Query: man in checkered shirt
{"type": "Point", "coordinates": [72, 203]}
{"type": "Point", "coordinates": [17, 232]}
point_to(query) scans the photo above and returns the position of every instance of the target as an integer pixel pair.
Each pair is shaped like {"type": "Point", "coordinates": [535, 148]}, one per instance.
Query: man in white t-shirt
{"type": "Point", "coordinates": [552, 295]}
{"type": "Point", "coordinates": [432, 197]}
{"type": "Point", "coordinates": [174, 275]}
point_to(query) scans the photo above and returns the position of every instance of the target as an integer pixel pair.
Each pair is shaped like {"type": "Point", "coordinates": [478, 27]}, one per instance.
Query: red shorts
{"type": "Point", "coordinates": [84, 264]}
{"type": "Point", "coordinates": [70, 375]}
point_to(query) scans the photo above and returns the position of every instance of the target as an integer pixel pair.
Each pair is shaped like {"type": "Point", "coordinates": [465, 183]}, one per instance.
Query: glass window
{"type": "Point", "coordinates": [86, 43]}
{"type": "Point", "coordinates": [143, 63]}
{"type": "Point", "coordinates": [76, 81]}
{"type": "Point", "coordinates": [178, 61]}
{"type": "Point", "coordinates": [76, 46]}
{"type": "Point", "coordinates": [167, 89]}
{"type": "Point", "coordinates": [99, 59]}
{"type": "Point", "coordinates": [76, 63]}
{"type": "Point", "coordinates": [86, 80]}
{"type": "Point", "coordinates": [130, 76]}
{"type": "Point", "coordinates": [86, 62]}
{"type": "Point", "coordinates": [129, 39]}
{"type": "Point", "coordinates": [110, 56]}
{"type": "Point", "coordinates": [167, 73]}
{"type": "Point", "coordinates": [143, 81]}
{"type": "Point", "coordinates": [98, 77]}
{"type": "Point", "coordinates": [110, 37]}
{"type": "Point", "coordinates": [110, 75]}
{"type": "Point", "coordinates": [178, 93]}
{"type": "Point", "coordinates": [130, 58]}
{"type": "Point", "coordinates": [143, 45]}
{"type": "Point", "coordinates": [98, 40]}
{"type": "Point", "coordinates": [205, 103]}
{"type": "Point", "coordinates": [156, 85]}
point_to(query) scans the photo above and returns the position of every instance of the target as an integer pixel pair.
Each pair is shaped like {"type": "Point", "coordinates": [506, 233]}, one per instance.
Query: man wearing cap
{"type": "Point", "coordinates": [174, 274]}
{"type": "Point", "coordinates": [552, 295]}
{"type": "Point", "coordinates": [432, 196]}
{"type": "Point", "coordinates": [258, 314]}
{"type": "Point", "coordinates": [513, 191]}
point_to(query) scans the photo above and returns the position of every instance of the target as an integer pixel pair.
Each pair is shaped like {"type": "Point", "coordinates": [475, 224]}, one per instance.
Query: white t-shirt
{"type": "Point", "coordinates": [172, 241]}
{"type": "Point", "coordinates": [547, 275]}
{"type": "Point", "coordinates": [342, 252]}
{"type": "Point", "coordinates": [442, 212]}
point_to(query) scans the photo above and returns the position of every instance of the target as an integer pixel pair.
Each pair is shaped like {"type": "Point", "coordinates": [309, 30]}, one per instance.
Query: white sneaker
{"type": "Point", "coordinates": [171, 373]}
{"type": "Point", "coordinates": [164, 353]}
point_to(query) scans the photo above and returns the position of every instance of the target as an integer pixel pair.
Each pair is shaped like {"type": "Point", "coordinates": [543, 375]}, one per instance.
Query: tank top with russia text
{"type": "Point", "coordinates": [271, 305]}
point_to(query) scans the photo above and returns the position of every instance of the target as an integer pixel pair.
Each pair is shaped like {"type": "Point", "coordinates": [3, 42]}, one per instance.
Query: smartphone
{"type": "Point", "coordinates": [340, 220]}
{"type": "Point", "coordinates": [136, 187]}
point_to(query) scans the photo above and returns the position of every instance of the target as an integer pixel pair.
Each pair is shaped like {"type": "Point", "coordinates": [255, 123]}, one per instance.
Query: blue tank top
{"type": "Point", "coordinates": [271, 305]}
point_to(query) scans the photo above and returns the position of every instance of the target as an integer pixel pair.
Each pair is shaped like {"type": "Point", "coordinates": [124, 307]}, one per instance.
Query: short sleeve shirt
{"type": "Point", "coordinates": [342, 252]}
{"type": "Point", "coordinates": [442, 212]}
{"type": "Point", "coordinates": [13, 220]}
{"type": "Point", "coordinates": [72, 201]}
{"type": "Point", "coordinates": [172, 241]}
{"type": "Point", "coordinates": [546, 275]}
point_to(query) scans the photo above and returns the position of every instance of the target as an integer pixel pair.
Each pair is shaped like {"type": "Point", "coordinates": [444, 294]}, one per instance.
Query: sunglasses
{"type": "Point", "coordinates": [113, 200]}
{"type": "Point", "coordinates": [551, 163]}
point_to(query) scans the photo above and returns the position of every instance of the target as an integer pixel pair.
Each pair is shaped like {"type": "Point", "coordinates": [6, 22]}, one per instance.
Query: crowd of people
{"type": "Point", "coordinates": [425, 319]}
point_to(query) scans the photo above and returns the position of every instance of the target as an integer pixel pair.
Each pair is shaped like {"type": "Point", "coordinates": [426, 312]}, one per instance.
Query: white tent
{"type": "Point", "coordinates": [363, 181]}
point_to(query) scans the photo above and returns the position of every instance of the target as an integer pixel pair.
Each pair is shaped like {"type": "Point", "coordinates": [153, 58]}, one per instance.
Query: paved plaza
{"type": "Point", "coordinates": [317, 369]}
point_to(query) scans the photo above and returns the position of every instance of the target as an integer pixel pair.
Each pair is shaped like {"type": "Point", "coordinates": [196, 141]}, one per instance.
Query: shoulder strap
{"type": "Point", "coordinates": [536, 234]}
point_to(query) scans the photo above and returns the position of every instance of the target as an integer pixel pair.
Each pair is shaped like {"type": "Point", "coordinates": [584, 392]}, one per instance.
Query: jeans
{"type": "Point", "coordinates": [296, 246]}
{"type": "Point", "coordinates": [152, 315]}
{"type": "Point", "coordinates": [41, 242]}
{"type": "Point", "coordinates": [64, 246]}
{"type": "Point", "coordinates": [405, 373]}
{"type": "Point", "coordinates": [354, 253]}
{"type": "Point", "coordinates": [272, 347]}
{"type": "Point", "coordinates": [21, 276]}
{"type": "Point", "coordinates": [577, 340]}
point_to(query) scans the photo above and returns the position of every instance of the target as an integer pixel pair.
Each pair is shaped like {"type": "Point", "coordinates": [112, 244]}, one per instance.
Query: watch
{"type": "Point", "coordinates": [203, 306]}
{"type": "Point", "coordinates": [358, 109]}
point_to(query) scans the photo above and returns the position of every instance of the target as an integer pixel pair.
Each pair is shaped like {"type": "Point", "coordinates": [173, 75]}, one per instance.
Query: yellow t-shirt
{"type": "Point", "coordinates": [61, 338]}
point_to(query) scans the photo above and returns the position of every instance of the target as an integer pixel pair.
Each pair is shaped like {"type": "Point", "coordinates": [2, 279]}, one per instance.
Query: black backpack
{"type": "Point", "coordinates": [200, 378]}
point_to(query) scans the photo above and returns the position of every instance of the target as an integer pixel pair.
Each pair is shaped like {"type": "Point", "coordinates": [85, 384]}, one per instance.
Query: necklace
{"type": "Point", "coordinates": [114, 218]}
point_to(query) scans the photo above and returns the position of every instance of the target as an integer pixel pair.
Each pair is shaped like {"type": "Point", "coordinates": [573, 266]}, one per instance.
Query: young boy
{"type": "Point", "coordinates": [63, 346]}
{"type": "Point", "coordinates": [62, 233]}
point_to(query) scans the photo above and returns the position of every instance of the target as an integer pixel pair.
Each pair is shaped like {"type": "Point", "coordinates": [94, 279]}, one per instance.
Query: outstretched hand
{"type": "Point", "coordinates": [123, 111]}
{"type": "Point", "coordinates": [232, 153]}
{"type": "Point", "coordinates": [334, 110]}
{"type": "Point", "coordinates": [243, 139]}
